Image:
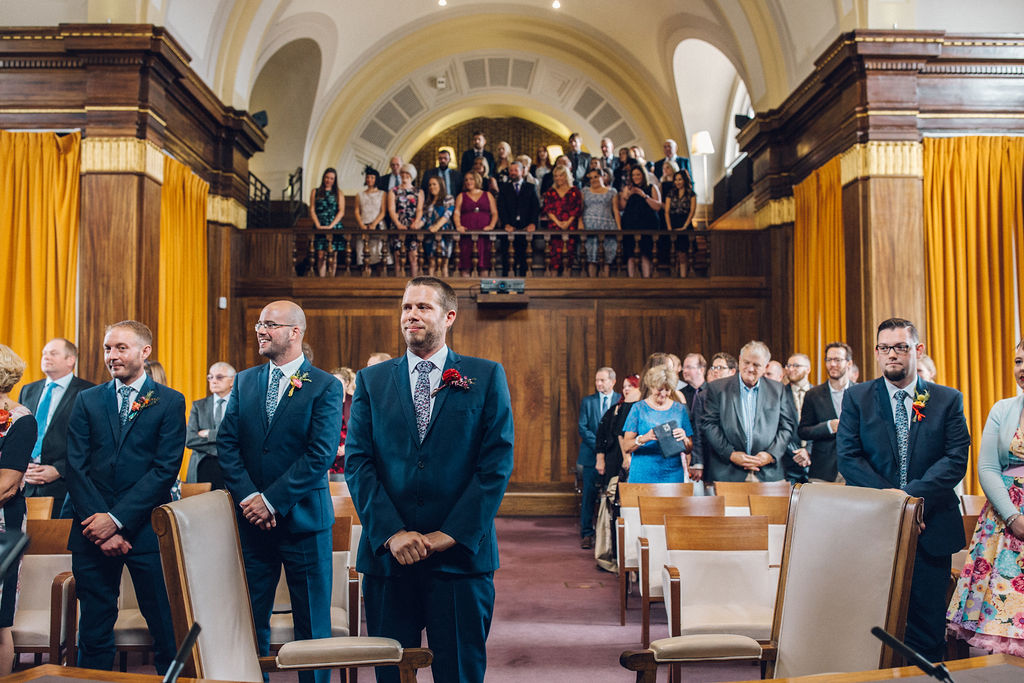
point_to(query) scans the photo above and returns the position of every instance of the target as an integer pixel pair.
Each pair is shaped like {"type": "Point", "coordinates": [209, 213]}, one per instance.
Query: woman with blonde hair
{"type": "Point", "coordinates": [18, 432]}
{"type": "Point", "coordinates": [642, 455]}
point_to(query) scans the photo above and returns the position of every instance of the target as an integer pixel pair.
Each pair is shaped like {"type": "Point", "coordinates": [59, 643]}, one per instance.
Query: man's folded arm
{"type": "Point", "coordinates": [85, 497]}
{"type": "Point", "coordinates": [850, 455]}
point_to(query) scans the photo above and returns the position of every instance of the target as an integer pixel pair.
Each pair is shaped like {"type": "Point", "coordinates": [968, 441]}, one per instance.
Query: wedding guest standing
{"type": "Point", "coordinates": [327, 208]}
{"type": "Point", "coordinates": [642, 453]}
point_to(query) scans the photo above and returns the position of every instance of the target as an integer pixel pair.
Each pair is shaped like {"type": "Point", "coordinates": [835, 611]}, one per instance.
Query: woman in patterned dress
{"type": "Point", "coordinates": [327, 208]}
{"type": "Point", "coordinates": [680, 205]}
{"type": "Point", "coordinates": [405, 206]}
{"type": "Point", "coordinates": [17, 439]}
{"type": "Point", "coordinates": [562, 206]}
{"type": "Point", "coordinates": [438, 207]}
{"type": "Point", "coordinates": [987, 609]}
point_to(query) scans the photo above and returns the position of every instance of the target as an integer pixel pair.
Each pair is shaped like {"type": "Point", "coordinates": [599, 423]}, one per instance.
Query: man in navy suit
{"type": "Point", "coordinates": [451, 177]}
{"type": "Point", "coordinates": [428, 457]}
{"type": "Point", "coordinates": [50, 400]}
{"type": "Point", "coordinates": [592, 409]}
{"type": "Point", "coordinates": [470, 155]}
{"type": "Point", "coordinates": [126, 439]}
{"type": "Point", "coordinates": [902, 433]}
{"type": "Point", "coordinates": [670, 146]}
{"type": "Point", "coordinates": [276, 442]}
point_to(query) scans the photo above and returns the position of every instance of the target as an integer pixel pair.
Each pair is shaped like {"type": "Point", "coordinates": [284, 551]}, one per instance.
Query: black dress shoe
{"type": "Point", "coordinates": [587, 543]}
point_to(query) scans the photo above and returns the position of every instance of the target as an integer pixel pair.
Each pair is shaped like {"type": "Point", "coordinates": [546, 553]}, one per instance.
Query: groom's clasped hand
{"type": "Point", "coordinates": [409, 547]}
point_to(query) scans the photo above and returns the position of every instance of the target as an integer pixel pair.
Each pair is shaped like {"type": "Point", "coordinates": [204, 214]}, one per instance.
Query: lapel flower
{"type": "Point", "coordinates": [920, 401]}
{"type": "Point", "coordinates": [140, 404]}
{"type": "Point", "coordinates": [6, 419]}
{"type": "Point", "coordinates": [297, 381]}
{"type": "Point", "coordinates": [452, 378]}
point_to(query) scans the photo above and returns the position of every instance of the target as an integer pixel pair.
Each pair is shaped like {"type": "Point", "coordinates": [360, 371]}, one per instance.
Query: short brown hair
{"type": "Point", "coordinates": [69, 348]}
{"type": "Point", "coordinates": [899, 324]}
{"type": "Point", "coordinates": [449, 300]}
{"type": "Point", "coordinates": [141, 330]}
{"type": "Point", "coordinates": [12, 367]}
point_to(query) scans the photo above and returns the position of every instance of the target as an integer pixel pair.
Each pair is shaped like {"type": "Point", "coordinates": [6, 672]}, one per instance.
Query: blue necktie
{"type": "Point", "coordinates": [902, 433]}
{"type": "Point", "coordinates": [421, 397]}
{"type": "Point", "coordinates": [272, 392]}
{"type": "Point", "coordinates": [604, 405]}
{"type": "Point", "coordinates": [126, 394]}
{"type": "Point", "coordinates": [43, 418]}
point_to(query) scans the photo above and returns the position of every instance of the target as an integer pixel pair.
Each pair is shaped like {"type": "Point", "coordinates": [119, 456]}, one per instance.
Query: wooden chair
{"type": "Point", "coordinates": [651, 545]}
{"type": "Point", "coordinates": [862, 574]}
{"type": "Point", "coordinates": [776, 509]}
{"type": "Point", "coordinates": [972, 505]}
{"type": "Point", "coordinates": [718, 577]}
{"type": "Point", "coordinates": [737, 493]}
{"type": "Point", "coordinates": [46, 620]}
{"type": "Point", "coordinates": [194, 489]}
{"type": "Point", "coordinates": [131, 632]}
{"type": "Point", "coordinates": [338, 488]}
{"type": "Point", "coordinates": [627, 528]}
{"type": "Point", "coordinates": [39, 507]}
{"type": "Point", "coordinates": [205, 576]}
{"type": "Point", "coordinates": [344, 507]}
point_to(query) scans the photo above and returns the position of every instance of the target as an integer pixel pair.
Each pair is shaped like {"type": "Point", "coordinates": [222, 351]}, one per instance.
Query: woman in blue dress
{"type": "Point", "coordinates": [642, 455]}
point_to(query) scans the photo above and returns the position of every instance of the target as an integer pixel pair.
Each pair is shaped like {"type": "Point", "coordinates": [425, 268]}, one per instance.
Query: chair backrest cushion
{"type": "Point", "coordinates": [844, 545]}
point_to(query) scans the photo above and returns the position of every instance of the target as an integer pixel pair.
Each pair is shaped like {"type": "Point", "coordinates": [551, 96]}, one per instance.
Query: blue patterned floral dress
{"type": "Point", "coordinates": [987, 610]}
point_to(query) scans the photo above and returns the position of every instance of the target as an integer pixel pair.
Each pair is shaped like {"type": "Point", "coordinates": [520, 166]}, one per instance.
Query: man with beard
{"type": "Point", "coordinates": [278, 438]}
{"type": "Point", "coordinates": [822, 406]}
{"type": "Point", "coordinates": [899, 432]}
{"type": "Point", "coordinates": [428, 457]}
{"type": "Point", "coordinates": [125, 443]}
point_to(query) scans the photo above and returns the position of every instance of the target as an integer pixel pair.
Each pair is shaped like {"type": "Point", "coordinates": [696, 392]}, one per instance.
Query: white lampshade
{"type": "Point", "coordinates": [700, 143]}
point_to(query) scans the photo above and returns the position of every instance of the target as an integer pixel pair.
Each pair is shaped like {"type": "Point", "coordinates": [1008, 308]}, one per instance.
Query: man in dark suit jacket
{"type": "Point", "coordinates": [278, 438]}
{"type": "Point", "coordinates": [608, 157]}
{"type": "Point", "coordinates": [592, 409]}
{"type": "Point", "coordinates": [747, 422]}
{"type": "Point", "coordinates": [451, 177]}
{"type": "Point", "coordinates": [126, 439]}
{"type": "Point", "coordinates": [819, 419]}
{"type": "Point", "coordinates": [53, 396]}
{"type": "Point", "coordinates": [204, 422]}
{"type": "Point", "coordinates": [518, 209]}
{"type": "Point", "coordinates": [722, 365]}
{"type": "Point", "coordinates": [427, 458]}
{"type": "Point", "coordinates": [902, 433]}
{"type": "Point", "coordinates": [477, 150]}
{"type": "Point", "coordinates": [580, 160]}
{"type": "Point", "coordinates": [670, 146]}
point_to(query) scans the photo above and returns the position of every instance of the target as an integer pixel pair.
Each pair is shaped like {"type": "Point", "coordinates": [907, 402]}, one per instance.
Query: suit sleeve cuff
{"type": "Point", "coordinates": [115, 520]}
{"type": "Point", "coordinates": [265, 501]}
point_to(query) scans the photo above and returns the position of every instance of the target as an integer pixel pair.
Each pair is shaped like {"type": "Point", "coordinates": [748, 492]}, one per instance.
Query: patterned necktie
{"type": "Point", "coordinates": [272, 392]}
{"type": "Point", "coordinates": [218, 412]}
{"type": "Point", "coordinates": [902, 433]}
{"type": "Point", "coordinates": [421, 397]}
{"type": "Point", "coordinates": [43, 418]}
{"type": "Point", "coordinates": [126, 393]}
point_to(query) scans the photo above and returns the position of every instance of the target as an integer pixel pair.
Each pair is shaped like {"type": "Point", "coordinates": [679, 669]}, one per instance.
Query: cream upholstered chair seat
{"type": "Point", "coordinates": [205, 575]}
{"type": "Point", "coordinates": [849, 581]}
{"type": "Point", "coordinates": [45, 620]}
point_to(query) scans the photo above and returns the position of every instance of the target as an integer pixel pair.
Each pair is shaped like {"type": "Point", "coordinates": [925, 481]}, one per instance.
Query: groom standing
{"type": "Point", "coordinates": [428, 457]}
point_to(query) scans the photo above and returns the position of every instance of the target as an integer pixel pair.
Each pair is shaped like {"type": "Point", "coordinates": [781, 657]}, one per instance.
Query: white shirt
{"type": "Point", "coordinates": [56, 394]}
{"type": "Point", "coordinates": [438, 359]}
{"type": "Point", "coordinates": [907, 402]}
{"type": "Point", "coordinates": [837, 401]}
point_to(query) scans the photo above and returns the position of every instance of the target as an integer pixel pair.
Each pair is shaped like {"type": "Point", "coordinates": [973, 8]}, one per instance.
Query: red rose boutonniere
{"type": "Point", "coordinates": [140, 404]}
{"type": "Point", "coordinates": [452, 378]}
{"type": "Point", "coordinates": [920, 401]}
{"type": "Point", "coordinates": [297, 381]}
{"type": "Point", "coordinates": [5, 421]}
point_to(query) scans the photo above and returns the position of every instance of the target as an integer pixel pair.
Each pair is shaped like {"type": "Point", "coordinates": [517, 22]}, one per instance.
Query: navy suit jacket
{"type": "Point", "coordinates": [937, 457]}
{"type": "Point", "coordinates": [124, 471]}
{"type": "Point", "coordinates": [451, 482]}
{"type": "Point", "coordinates": [55, 441]}
{"type": "Point", "coordinates": [722, 428]}
{"type": "Point", "coordinates": [814, 418]}
{"type": "Point", "coordinates": [517, 210]}
{"type": "Point", "coordinates": [286, 460]}
{"type": "Point", "coordinates": [454, 187]}
{"type": "Point", "coordinates": [590, 418]}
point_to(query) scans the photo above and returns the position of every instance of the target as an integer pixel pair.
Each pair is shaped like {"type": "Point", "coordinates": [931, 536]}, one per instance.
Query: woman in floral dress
{"type": "Point", "coordinates": [987, 609]}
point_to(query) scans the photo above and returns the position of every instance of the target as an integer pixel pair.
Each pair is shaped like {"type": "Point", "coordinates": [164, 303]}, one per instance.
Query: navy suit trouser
{"type": "Point", "coordinates": [455, 610]}
{"type": "Point", "coordinates": [306, 559]}
{"type": "Point", "coordinates": [98, 584]}
{"type": "Point", "coordinates": [590, 481]}
{"type": "Point", "coordinates": [926, 614]}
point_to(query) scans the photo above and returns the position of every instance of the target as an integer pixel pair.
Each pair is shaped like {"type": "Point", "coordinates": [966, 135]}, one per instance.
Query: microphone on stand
{"type": "Point", "coordinates": [937, 671]}
{"type": "Point", "coordinates": [174, 670]}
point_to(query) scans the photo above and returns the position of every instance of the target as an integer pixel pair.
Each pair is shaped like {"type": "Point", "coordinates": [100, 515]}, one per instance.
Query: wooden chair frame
{"type": "Point", "coordinates": [195, 488]}
{"type": "Point", "coordinates": [39, 507]}
{"type": "Point", "coordinates": [737, 493]}
{"type": "Point", "coordinates": [645, 665]}
{"type": "Point", "coordinates": [50, 537]}
{"type": "Point", "coordinates": [167, 531]}
{"type": "Point", "coordinates": [628, 496]}
{"type": "Point", "coordinates": [775, 508]}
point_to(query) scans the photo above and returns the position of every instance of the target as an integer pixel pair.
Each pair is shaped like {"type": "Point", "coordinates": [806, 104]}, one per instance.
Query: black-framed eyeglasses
{"type": "Point", "coordinates": [720, 368]}
{"type": "Point", "coordinates": [901, 349]}
{"type": "Point", "coordinates": [260, 325]}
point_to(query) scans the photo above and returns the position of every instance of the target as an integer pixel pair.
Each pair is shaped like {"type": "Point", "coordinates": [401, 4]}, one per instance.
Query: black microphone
{"type": "Point", "coordinates": [174, 670]}
{"type": "Point", "coordinates": [937, 671]}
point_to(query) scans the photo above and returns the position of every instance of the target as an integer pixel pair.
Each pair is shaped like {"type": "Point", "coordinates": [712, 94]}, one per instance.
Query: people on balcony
{"type": "Point", "coordinates": [405, 207]}
{"type": "Point", "coordinates": [475, 212]}
{"type": "Point", "coordinates": [327, 208]}
{"type": "Point", "coordinates": [370, 212]}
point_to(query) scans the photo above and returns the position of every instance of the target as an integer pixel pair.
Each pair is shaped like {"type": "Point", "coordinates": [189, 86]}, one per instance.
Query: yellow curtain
{"type": "Point", "coordinates": [182, 308]}
{"type": "Point", "coordinates": [39, 210]}
{"type": "Point", "coordinates": [819, 265]}
{"type": "Point", "coordinates": [973, 240]}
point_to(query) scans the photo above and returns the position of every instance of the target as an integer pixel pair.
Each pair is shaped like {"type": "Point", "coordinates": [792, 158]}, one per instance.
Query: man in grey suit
{"type": "Point", "coordinates": [203, 423]}
{"type": "Point", "coordinates": [747, 422]}
{"type": "Point", "coordinates": [50, 400]}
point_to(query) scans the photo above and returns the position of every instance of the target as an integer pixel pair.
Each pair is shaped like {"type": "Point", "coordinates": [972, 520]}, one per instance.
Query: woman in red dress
{"type": "Point", "coordinates": [563, 205]}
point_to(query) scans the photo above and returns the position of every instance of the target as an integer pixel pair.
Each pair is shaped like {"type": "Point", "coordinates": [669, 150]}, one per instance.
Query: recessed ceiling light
{"type": "Point", "coordinates": [442, 3]}
{"type": "Point", "coordinates": [556, 4]}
